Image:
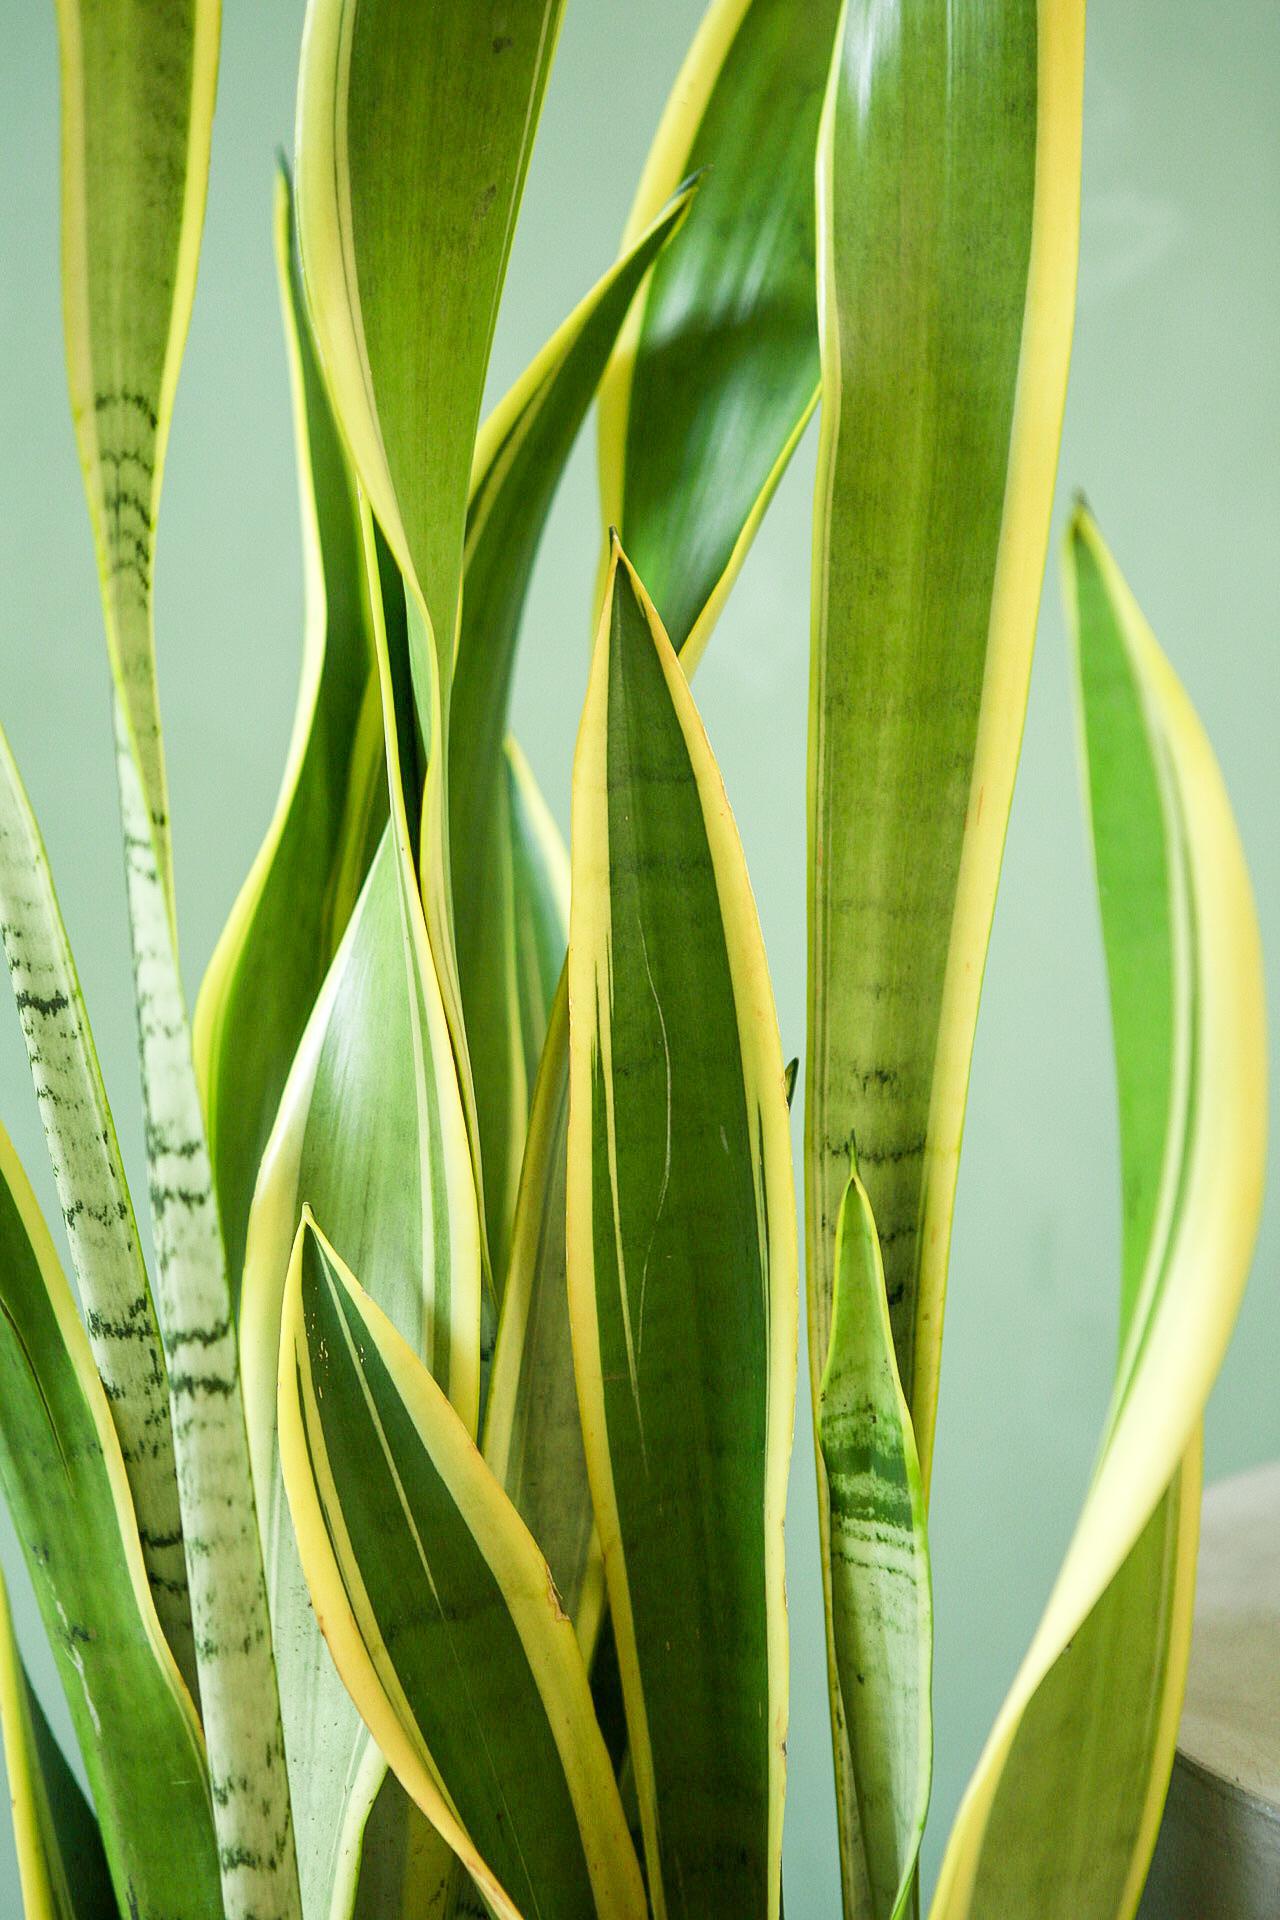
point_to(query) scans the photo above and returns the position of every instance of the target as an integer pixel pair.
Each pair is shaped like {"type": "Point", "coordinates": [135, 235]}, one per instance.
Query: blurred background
{"type": "Point", "coordinates": [1173, 429]}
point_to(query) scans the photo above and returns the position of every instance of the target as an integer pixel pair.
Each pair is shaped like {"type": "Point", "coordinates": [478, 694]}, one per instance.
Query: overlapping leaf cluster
{"type": "Point", "coordinates": [409, 1531]}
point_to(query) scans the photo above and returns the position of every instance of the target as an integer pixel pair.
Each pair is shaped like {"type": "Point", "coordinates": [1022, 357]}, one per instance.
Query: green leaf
{"type": "Point", "coordinates": [944, 374]}
{"type": "Point", "coordinates": [717, 372]}
{"type": "Point", "coordinates": [94, 1194]}
{"type": "Point", "coordinates": [371, 1129]}
{"type": "Point", "coordinates": [271, 961]}
{"type": "Point", "coordinates": [62, 1869]}
{"type": "Point", "coordinates": [518, 462]}
{"type": "Point", "coordinates": [532, 1431]}
{"type": "Point", "coordinates": [881, 1596]}
{"type": "Point", "coordinates": [441, 1613]}
{"type": "Point", "coordinates": [132, 212]}
{"type": "Point", "coordinates": [1089, 1726]}
{"type": "Point", "coordinates": [682, 1269]}
{"type": "Point", "coordinates": [404, 243]}
{"type": "Point", "coordinates": [65, 1482]}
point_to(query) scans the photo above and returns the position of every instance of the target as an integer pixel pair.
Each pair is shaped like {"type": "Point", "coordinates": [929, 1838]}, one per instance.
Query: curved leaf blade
{"type": "Point", "coordinates": [519, 459]}
{"type": "Point", "coordinates": [370, 1128]}
{"type": "Point", "coordinates": [881, 1593]}
{"type": "Point", "coordinates": [65, 1482]}
{"type": "Point", "coordinates": [62, 1870]}
{"type": "Point", "coordinates": [682, 1269]}
{"type": "Point", "coordinates": [1126, 1582]}
{"type": "Point", "coordinates": [717, 372]}
{"type": "Point", "coordinates": [275, 950]}
{"type": "Point", "coordinates": [440, 1611]}
{"type": "Point", "coordinates": [93, 1190]}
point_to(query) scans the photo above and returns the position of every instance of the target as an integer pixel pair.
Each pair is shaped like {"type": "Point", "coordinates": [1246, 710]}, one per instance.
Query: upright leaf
{"type": "Point", "coordinates": [519, 459]}
{"type": "Point", "coordinates": [948, 192]}
{"type": "Point", "coordinates": [682, 1269]}
{"type": "Point", "coordinates": [881, 1598]}
{"type": "Point", "coordinates": [717, 372]}
{"type": "Point", "coordinates": [62, 1870]}
{"type": "Point", "coordinates": [271, 961]}
{"type": "Point", "coordinates": [1089, 1726]}
{"type": "Point", "coordinates": [370, 1128]}
{"type": "Point", "coordinates": [97, 1210]}
{"type": "Point", "coordinates": [405, 238]}
{"type": "Point", "coordinates": [132, 213]}
{"type": "Point", "coordinates": [64, 1479]}
{"type": "Point", "coordinates": [441, 1613]}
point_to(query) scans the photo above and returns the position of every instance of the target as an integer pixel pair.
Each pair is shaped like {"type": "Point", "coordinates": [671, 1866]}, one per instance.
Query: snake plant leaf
{"type": "Point", "coordinates": [682, 1269]}
{"type": "Point", "coordinates": [132, 214]}
{"type": "Point", "coordinates": [132, 211]}
{"type": "Point", "coordinates": [1119, 1613]}
{"type": "Point", "coordinates": [94, 1195]}
{"type": "Point", "coordinates": [519, 459]}
{"type": "Point", "coordinates": [440, 1612]}
{"type": "Point", "coordinates": [881, 1595]}
{"type": "Point", "coordinates": [65, 1482]}
{"type": "Point", "coordinates": [532, 1432]}
{"type": "Point", "coordinates": [717, 371]}
{"type": "Point", "coordinates": [943, 389]}
{"type": "Point", "coordinates": [62, 1869]}
{"type": "Point", "coordinates": [371, 1128]}
{"type": "Point", "coordinates": [271, 960]}
{"type": "Point", "coordinates": [384, 225]}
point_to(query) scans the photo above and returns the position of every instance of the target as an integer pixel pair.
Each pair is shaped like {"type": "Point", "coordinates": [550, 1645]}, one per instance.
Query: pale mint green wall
{"type": "Point", "coordinates": [1173, 427]}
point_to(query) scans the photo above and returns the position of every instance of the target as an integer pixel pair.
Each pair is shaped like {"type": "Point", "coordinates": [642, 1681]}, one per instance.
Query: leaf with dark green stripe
{"type": "Point", "coordinates": [532, 1433]}
{"type": "Point", "coordinates": [944, 375]}
{"type": "Point", "coordinates": [271, 961]}
{"type": "Point", "coordinates": [64, 1480]}
{"type": "Point", "coordinates": [370, 1128]}
{"type": "Point", "coordinates": [132, 210]}
{"type": "Point", "coordinates": [717, 373]}
{"type": "Point", "coordinates": [62, 1869]}
{"type": "Point", "coordinates": [97, 1208]}
{"type": "Point", "coordinates": [405, 244]}
{"type": "Point", "coordinates": [1062, 1812]}
{"type": "Point", "coordinates": [519, 459]}
{"type": "Point", "coordinates": [682, 1269]}
{"type": "Point", "coordinates": [881, 1595]}
{"type": "Point", "coordinates": [440, 1612]}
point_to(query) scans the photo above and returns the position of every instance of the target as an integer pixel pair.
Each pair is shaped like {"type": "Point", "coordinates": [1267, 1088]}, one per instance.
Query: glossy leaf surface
{"type": "Point", "coordinates": [717, 372]}
{"type": "Point", "coordinates": [440, 1612]}
{"type": "Point", "coordinates": [682, 1269]}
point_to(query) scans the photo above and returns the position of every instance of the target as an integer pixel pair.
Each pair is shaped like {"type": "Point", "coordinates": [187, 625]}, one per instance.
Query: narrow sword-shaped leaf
{"type": "Point", "coordinates": [132, 214]}
{"type": "Point", "coordinates": [62, 1870]}
{"type": "Point", "coordinates": [370, 1128]}
{"type": "Point", "coordinates": [271, 960]}
{"type": "Point", "coordinates": [441, 1613]}
{"type": "Point", "coordinates": [881, 1594]}
{"type": "Point", "coordinates": [1118, 1619]}
{"type": "Point", "coordinates": [717, 371]}
{"type": "Point", "coordinates": [519, 459]}
{"type": "Point", "coordinates": [94, 1194]}
{"type": "Point", "coordinates": [405, 244]}
{"type": "Point", "coordinates": [682, 1269]}
{"type": "Point", "coordinates": [944, 374]}
{"type": "Point", "coordinates": [65, 1482]}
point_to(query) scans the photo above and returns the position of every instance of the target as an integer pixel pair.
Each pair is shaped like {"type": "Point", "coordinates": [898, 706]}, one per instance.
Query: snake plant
{"type": "Point", "coordinates": [406, 1511]}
